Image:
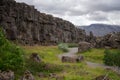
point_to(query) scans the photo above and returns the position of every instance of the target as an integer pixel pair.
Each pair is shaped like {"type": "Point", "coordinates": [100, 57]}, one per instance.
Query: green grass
{"type": "Point", "coordinates": [47, 53]}
{"type": "Point", "coordinates": [72, 71]}
{"type": "Point", "coordinates": [63, 47]}
{"type": "Point", "coordinates": [94, 55]}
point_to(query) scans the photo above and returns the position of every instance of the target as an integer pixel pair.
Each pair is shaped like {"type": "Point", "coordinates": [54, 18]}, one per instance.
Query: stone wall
{"type": "Point", "coordinates": [24, 24]}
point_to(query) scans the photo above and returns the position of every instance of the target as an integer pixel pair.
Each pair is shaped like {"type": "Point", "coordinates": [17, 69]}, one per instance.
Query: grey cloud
{"type": "Point", "coordinates": [103, 5]}
{"type": "Point", "coordinates": [97, 16]}
{"type": "Point", "coordinates": [83, 6]}
{"type": "Point", "coordinates": [95, 10]}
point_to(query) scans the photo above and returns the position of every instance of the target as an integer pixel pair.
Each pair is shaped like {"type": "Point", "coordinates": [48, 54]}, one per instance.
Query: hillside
{"type": "Point", "coordinates": [100, 29]}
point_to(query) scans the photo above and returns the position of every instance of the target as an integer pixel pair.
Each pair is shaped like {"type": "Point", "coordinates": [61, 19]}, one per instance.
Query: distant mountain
{"type": "Point", "coordinates": [101, 29]}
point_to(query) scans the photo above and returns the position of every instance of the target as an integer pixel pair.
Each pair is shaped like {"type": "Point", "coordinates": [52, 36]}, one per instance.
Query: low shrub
{"type": "Point", "coordinates": [36, 67]}
{"type": "Point", "coordinates": [63, 47]}
{"type": "Point", "coordinates": [71, 45]}
{"type": "Point", "coordinates": [112, 58]}
{"type": "Point", "coordinates": [11, 56]}
{"type": "Point", "coordinates": [33, 66]}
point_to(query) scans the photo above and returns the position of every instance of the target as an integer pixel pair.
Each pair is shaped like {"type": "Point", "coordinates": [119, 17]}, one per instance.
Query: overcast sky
{"type": "Point", "coordinates": [80, 12]}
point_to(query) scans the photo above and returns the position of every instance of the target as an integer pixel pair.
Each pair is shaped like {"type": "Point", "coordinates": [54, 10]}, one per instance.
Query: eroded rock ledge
{"type": "Point", "coordinates": [23, 23]}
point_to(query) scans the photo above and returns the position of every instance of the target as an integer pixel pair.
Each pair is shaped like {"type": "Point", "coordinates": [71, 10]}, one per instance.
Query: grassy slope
{"type": "Point", "coordinates": [72, 71]}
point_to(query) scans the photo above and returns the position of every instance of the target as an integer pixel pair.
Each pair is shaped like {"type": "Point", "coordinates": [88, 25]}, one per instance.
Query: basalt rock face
{"type": "Point", "coordinates": [109, 41]}
{"type": "Point", "coordinates": [91, 39]}
{"type": "Point", "coordinates": [23, 23]}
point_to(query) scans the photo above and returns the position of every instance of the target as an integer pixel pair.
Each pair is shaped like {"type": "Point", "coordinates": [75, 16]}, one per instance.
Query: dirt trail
{"type": "Point", "coordinates": [72, 52]}
{"type": "Point", "coordinates": [113, 68]}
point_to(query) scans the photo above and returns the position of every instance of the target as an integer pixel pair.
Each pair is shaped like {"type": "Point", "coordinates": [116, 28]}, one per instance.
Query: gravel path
{"type": "Point", "coordinates": [113, 68]}
{"type": "Point", "coordinates": [72, 52]}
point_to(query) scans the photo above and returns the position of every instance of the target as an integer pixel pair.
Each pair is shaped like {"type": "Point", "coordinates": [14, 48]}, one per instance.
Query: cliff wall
{"type": "Point", "coordinates": [24, 24]}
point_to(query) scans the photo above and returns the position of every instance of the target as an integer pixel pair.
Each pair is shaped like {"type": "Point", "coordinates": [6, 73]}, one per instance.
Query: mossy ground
{"type": "Point", "coordinates": [72, 71]}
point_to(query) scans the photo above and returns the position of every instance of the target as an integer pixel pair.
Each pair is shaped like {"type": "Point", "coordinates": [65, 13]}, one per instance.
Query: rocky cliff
{"type": "Point", "coordinates": [23, 23]}
{"type": "Point", "coordinates": [111, 40]}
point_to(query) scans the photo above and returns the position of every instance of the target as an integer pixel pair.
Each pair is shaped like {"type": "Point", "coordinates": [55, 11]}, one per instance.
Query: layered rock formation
{"type": "Point", "coordinates": [91, 39]}
{"type": "Point", "coordinates": [23, 23]}
{"type": "Point", "coordinates": [109, 41]}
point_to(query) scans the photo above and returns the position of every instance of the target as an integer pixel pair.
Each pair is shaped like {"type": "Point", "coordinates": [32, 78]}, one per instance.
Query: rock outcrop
{"type": "Point", "coordinates": [109, 41]}
{"type": "Point", "coordinates": [91, 39]}
{"type": "Point", "coordinates": [24, 24]}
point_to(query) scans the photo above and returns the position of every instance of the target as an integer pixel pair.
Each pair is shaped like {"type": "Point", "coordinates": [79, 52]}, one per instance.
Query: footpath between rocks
{"type": "Point", "coordinates": [72, 52]}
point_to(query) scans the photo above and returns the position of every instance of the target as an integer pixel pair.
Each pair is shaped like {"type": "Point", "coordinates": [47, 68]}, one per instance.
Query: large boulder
{"type": "Point", "coordinates": [84, 46]}
{"type": "Point", "coordinates": [68, 59]}
{"type": "Point", "coordinates": [72, 59]}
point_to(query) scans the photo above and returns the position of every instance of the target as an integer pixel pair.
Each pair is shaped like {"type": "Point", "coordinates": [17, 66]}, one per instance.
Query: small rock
{"type": "Point", "coordinates": [7, 75]}
{"type": "Point", "coordinates": [102, 77]}
{"type": "Point", "coordinates": [52, 75]}
{"type": "Point", "coordinates": [35, 57]}
{"type": "Point", "coordinates": [80, 58]}
{"type": "Point", "coordinates": [42, 75]}
{"type": "Point", "coordinates": [27, 76]}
